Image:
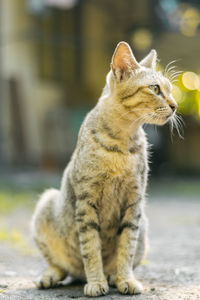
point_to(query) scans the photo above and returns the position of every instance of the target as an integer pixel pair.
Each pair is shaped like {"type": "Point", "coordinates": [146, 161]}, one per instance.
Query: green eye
{"type": "Point", "coordinates": [155, 88]}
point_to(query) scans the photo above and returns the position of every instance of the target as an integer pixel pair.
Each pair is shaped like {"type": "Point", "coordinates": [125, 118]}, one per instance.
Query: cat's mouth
{"type": "Point", "coordinates": [163, 114]}
{"type": "Point", "coordinates": [167, 117]}
{"type": "Point", "coordinates": [163, 119]}
{"type": "Point", "coordinates": [170, 116]}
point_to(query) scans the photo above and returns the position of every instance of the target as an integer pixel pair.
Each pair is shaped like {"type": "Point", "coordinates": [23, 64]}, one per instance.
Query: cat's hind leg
{"type": "Point", "coordinates": [47, 240]}
{"type": "Point", "coordinates": [53, 274]}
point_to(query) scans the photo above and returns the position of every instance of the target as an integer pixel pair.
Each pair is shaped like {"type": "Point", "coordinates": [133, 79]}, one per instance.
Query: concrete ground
{"type": "Point", "coordinates": [171, 271]}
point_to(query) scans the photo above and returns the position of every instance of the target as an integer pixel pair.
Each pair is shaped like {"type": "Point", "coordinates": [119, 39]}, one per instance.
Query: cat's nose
{"type": "Point", "coordinates": [173, 106]}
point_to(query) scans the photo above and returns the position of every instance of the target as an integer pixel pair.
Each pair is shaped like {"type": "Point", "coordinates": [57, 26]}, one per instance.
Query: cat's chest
{"type": "Point", "coordinates": [114, 198]}
{"type": "Point", "coordinates": [120, 188]}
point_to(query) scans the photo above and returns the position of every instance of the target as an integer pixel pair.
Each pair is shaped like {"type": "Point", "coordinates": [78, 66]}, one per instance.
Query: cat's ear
{"type": "Point", "coordinates": [123, 61]}
{"type": "Point", "coordinates": [150, 60]}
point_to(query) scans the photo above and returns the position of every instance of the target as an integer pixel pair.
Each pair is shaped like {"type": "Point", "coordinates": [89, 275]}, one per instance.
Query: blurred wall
{"type": "Point", "coordinates": [54, 60]}
{"type": "Point", "coordinates": [27, 98]}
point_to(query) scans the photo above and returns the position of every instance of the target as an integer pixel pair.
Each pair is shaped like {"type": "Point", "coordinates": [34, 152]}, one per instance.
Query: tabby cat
{"type": "Point", "coordinates": [94, 228]}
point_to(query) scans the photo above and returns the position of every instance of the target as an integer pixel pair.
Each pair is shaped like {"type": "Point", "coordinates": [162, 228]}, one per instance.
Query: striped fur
{"type": "Point", "coordinates": [95, 226]}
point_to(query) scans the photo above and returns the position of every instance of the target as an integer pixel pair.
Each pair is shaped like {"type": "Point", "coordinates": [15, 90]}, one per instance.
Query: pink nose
{"type": "Point", "coordinates": [173, 106]}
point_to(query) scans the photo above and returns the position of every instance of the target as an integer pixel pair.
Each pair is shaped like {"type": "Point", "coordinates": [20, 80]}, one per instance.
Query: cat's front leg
{"type": "Point", "coordinates": [128, 235]}
{"type": "Point", "coordinates": [88, 227]}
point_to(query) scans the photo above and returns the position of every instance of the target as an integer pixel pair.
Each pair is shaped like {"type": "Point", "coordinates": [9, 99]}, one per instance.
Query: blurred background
{"type": "Point", "coordinates": [54, 56]}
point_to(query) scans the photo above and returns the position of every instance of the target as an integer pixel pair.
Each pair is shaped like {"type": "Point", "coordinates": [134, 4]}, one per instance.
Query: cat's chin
{"type": "Point", "coordinates": [160, 121]}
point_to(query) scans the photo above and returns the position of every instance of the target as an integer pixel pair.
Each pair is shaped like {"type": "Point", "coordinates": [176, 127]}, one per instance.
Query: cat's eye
{"type": "Point", "coordinates": [155, 88]}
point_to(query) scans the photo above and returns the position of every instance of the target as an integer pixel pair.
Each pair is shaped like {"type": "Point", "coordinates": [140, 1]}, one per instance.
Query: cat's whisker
{"type": "Point", "coordinates": [171, 122]}
{"type": "Point", "coordinates": [149, 118]}
{"type": "Point", "coordinates": [175, 74]}
{"type": "Point", "coordinates": [181, 124]}
{"type": "Point", "coordinates": [171, 72]}
{"type": "Point", "coordinates": [171, 69]}
{"type": "Point", "coordinates": [142, 119]}
{"type": "Point", "coordinates": [171, 126]}
{"type": "Point", "coordinates": [180, 119]}
{"type": "Point", "coordinates": [168, 65]}
{"type": "Point", "coordinates": [137, 120]}
{"type": "Point", "coordinates": [160, 110]}
{"type": "Point", "coordinates": [173, 81]}
{"type": "Point", "coordinates": [173, 78]}
{"type": "Point", "coordinates": [178, 124]}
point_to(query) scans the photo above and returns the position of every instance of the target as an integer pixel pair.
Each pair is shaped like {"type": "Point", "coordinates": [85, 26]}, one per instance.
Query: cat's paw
{"type": "Point", "coordinates": [49, 278]}
{"type": "Point", "coordinates": [130, 286]}
{"type": "Point", "coordinates": [94, 289]}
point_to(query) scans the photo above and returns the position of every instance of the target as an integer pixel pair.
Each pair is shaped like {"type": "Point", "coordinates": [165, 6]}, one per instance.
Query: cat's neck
{"type": "Point", "coordinates": [114, 127]}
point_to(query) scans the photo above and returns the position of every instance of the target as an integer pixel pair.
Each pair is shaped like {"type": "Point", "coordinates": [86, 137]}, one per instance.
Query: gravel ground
{"type": "Point", "coordinates": [170, 272]}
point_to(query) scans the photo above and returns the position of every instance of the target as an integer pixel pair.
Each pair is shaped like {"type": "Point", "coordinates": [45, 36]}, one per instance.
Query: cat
{"type": "Point", "coordinates": [95, 228]}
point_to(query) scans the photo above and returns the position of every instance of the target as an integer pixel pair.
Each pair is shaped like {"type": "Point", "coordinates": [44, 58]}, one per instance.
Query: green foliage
{"type": "Point", "coordinates": [188, 100]}
{"type": "Point", "coordinates": [17, 240]}
{"type": "Point", "coordinates": [11, 232]}
{"type": "Point", "coordinates": [10, 200]}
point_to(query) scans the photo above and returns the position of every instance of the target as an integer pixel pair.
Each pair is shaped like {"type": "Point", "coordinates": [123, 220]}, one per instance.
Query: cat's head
{"type": "Point", "coordinates": [139, 89]}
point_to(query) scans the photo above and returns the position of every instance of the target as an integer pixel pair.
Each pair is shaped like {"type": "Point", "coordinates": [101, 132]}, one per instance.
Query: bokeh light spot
{"type": "Point", "coordinates": [142, 39]}
{"type": "Point", "coordinates": [190, 21]}
{"type": "Point", "coordinates": [191, 81]}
